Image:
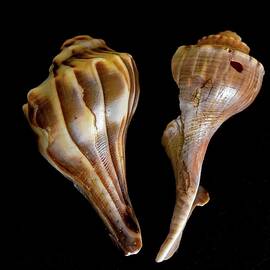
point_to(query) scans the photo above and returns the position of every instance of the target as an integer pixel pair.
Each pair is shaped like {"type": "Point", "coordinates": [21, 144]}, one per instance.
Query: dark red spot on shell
{"type": "Point", "coordinates": [237, 66]}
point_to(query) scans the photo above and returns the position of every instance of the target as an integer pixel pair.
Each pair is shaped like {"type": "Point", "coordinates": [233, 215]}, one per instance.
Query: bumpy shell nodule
{"type": "Point", "coordinates": [217, 79]}
{"type": "Point", "coordinates": [80, 114]}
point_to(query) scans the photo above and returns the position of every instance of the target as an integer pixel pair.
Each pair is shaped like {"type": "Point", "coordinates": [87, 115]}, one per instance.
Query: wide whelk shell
{"type": "Point", "coordinates": [217, 79]}
{"type": "Point", "coordinates": [80, 114]}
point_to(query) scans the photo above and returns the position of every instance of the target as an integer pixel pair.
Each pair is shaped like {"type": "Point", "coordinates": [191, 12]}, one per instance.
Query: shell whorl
{"type": "Point", "coordinates": [227, 39]}
{"type": "Point", "coordinates": [217, 75]}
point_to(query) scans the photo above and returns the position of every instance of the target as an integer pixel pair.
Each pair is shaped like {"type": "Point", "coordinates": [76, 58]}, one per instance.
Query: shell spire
{"type": "Point", "coordinates": [80, 115]}
{"type": "Point", "coordinates": [217, 79]}
{"type": "Point", "coordinates": [225, 39]}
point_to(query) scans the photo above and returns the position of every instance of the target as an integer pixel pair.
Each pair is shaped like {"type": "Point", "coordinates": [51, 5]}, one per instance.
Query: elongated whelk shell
{"type": "Point", "coordinates": [217, 79]}
{"type": "Point", "coordinates": [80, 114]}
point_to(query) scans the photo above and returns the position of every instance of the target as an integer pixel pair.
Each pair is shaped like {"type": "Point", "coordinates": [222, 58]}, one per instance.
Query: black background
{"type": "Point", "coordinates": [51, 226]}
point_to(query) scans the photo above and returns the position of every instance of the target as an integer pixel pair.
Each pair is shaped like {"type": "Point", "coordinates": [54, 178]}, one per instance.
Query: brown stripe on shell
{"type": "Point", "coordinates": [89, 96]}
{"type": "Point", "coordinates": [74, 109]}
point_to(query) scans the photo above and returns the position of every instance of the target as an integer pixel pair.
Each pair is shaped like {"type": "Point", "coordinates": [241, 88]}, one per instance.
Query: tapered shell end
{"type": "Point", "coordinates": [228, 39]}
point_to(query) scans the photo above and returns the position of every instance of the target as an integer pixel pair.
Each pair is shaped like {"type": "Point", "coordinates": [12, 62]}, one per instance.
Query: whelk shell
{"type": "Point", "coordinates": [217, 79]}
{"type": "Point", "coordinates": [80, 115]}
